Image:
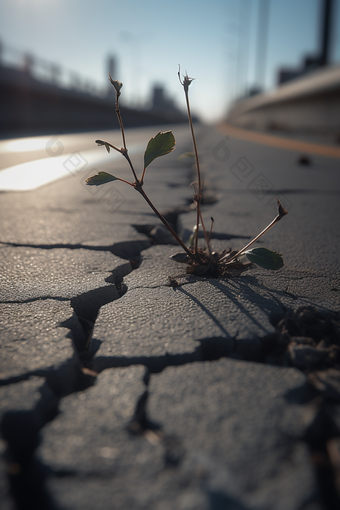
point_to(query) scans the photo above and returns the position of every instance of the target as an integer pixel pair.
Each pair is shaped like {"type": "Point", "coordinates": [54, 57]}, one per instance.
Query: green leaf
{"type": "Point", "coordinates": [265, 258]}
{"type": "Point", "coordinates": [100, 178]}
{"type": "Point", "coordinates": [161, 144]}
{"type": "Point", "coordinates": [101, 142]}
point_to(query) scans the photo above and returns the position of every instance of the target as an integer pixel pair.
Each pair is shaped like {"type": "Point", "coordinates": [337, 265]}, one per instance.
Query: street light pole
{"type": "Point", "coordinates": [262, 41]}
{"type": "Point", "coordinates": [327, 8]}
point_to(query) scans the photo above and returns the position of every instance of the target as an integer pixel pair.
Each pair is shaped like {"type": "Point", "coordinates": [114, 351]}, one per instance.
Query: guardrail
{"type": "Point", "coordinates": [48, 72]}
{"type": "Point", "coordinates": [310, 103]}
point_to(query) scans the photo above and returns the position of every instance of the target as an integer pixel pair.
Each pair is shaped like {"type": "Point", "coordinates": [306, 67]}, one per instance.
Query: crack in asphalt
{"type": "Point", "coordinates": [21, 430]}
{"type": "Point", "coordinates": [123, 249]}
{"type": "Point", "coordinates": [32, 300]}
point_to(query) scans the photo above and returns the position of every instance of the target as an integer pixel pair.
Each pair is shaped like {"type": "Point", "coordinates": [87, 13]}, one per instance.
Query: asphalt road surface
{"type": "Point", "coordinates": [154, 393]}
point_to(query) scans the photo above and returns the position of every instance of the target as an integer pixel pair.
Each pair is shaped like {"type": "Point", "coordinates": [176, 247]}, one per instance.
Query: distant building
{"type": "Point", "coordinates": [160, 101]}
{"type": "Point", "coordinates": [164, 106]}
{"type": "Point", "coordinates": [321, 59]}
{"type": "Point", "coordinates": [310, 63]}
{"type": "Point", "coordinates": [39, 97]}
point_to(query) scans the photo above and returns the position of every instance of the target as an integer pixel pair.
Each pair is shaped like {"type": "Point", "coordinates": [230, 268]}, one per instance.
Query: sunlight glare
{"type": "Point", "coordinates": [24, 145]}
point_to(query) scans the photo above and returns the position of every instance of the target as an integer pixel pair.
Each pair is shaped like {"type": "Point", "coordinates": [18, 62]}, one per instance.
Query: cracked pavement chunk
{"type": "Point", "coordinates": [30, 338]}
{"type": "Point", "coordinates": [23, 395]}
{"type": "Point", "coordinates": [89, 438]}
{"type": "Point", "coordinates": [228, 436]}
{"type": "Point", "coordinates": [150, 322]}
{"type": "Point", "coordinates": [240, 435]}
{"type": "Point", "coordinates": [57, 273]}
{"type": "Point", "coordinates": [153, 319]}
{"type": "Point", "coordinates": [5, 499]}
{"type": "Point", "coordinates": [156, 268]}
{"type": "Point", "coordinates": [215, 441]}
{"type": "Point", "coordinates": [298, 237]}
{"type": "Point", "coordinates": [89, 435]}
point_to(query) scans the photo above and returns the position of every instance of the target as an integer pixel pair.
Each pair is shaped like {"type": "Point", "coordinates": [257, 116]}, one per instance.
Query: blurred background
{"type": "Point", "coordinates": [55, 56]}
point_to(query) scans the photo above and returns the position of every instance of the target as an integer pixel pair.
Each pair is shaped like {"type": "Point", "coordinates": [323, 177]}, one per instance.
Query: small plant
{"type": "Point", "coordinates": [200, 261]}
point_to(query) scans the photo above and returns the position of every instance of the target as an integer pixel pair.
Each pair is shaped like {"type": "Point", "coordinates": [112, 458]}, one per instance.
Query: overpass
{"type": "Point", "coordinates": [310, 104]}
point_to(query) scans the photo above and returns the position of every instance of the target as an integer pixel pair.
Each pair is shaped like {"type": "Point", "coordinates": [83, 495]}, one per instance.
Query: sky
{"type": "Point", "coordinates": [215, 41]}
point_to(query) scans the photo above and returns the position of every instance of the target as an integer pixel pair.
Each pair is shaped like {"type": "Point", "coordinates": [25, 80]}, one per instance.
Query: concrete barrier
{"type": "Point", "coordinates": [310, 103]}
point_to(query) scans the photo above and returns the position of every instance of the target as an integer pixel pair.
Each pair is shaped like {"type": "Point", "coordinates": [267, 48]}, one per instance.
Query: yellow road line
{"type": "Point", "coordinates": [277, 141]}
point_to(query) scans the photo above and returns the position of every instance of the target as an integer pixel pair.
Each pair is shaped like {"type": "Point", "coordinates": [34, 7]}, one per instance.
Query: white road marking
{"type": "Point", "coordinates": [23, 145]}
{"type": "Point", "coordinates": [32, 175]}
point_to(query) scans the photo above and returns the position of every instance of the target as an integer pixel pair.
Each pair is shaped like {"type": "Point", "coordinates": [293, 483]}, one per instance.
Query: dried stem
{"type": "Point", "coordinates": [120, 120]}
{"type": "Point", "coordinates": [126, 182]}
{"type": "Point", "coordinates": [142, 178]}
{"type": "Point", "coordinates": [124, 150]}
{"type": "Point", "coordinates": [280, 215]}
{"type": "Point", "coordinates": [211, 227]}
{"type": "Point", "coordinates": [207, 238]}
{"type": "Point", "coordinates": [126, 156]}
{"type": "Point", "coordinates": [104, 142]}
{"type": "Point", "coordinates": [138, 187]}
{"type": "Point", "coordinates": [138, 184]}
{"type": "Point", "coordinates": [198, 197]}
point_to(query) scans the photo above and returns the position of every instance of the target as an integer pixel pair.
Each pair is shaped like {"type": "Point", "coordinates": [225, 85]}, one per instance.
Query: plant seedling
{"type": "Point", "coordinates": [200, 261]}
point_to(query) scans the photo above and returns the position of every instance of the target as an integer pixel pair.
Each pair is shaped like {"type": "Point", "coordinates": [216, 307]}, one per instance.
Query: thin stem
{"type": "Point", "coordinates": [142, 178]}
{"type": "Point", "coordinates": [206, 236]}
{"type": "Point", "coordinates": [197, 225]}
{"type": "Point", "coordinates": [211, 227]}
{"type": "Point", "coordinates": [199, 194]}
{"type": "Point", "coordinates": [193, 139]}
{"type": "Point", "coordinates": [103, 142]}
{"type": "Point", "coordinates": [124, 151]}
{"type": "Point", "coordinates": [282, 212]}
{"type": "Point", "coordinates": [163, 220]}
{"type": "Point", "coordinates": [120, 120]}
{"type": "Point", "coordinates": [126, 182]}
{"type": "Point", "coordinates": [113, 147]}
{"type": "Point", "coordinates": [126, 156]}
